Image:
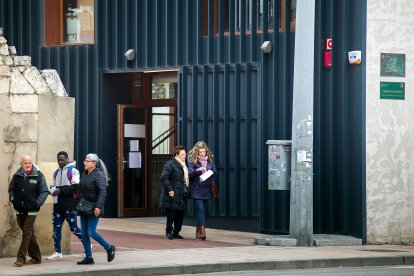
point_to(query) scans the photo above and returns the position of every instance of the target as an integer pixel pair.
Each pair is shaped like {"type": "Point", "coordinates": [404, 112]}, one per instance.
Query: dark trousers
{"type": "Point", "coordinates": [29, 242]}
{"type": "Point", "coordinates": [175, 217]}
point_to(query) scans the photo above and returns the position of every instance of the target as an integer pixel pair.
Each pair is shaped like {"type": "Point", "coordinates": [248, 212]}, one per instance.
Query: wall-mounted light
{"type": "Point", "coordinates": [130, 54]}
{"type": "Point", "coordinates": [266, 47]}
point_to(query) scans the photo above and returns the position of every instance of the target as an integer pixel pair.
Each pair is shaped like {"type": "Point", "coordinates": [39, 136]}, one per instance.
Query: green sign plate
{"type": "Point", "coordinates": [392, 65]}
{"type": "Point", "coordinates": [392, 90]}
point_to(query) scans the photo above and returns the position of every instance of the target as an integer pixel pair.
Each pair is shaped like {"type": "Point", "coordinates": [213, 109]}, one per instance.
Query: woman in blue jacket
{"type": "Point", "coordinates": [201, 161]}
{"type": "Point", "coordinates": [92, 187]}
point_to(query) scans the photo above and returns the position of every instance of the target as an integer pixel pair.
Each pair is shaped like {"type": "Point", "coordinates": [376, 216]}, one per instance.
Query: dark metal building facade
{"type": "Point", "coordinates": [230, 94]}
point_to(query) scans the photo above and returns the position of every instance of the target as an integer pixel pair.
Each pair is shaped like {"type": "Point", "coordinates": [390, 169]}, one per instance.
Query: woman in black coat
{"type": "Point", "coordinates": [92, 187]}
{"type": "Point", "coordinates": [174, 179]}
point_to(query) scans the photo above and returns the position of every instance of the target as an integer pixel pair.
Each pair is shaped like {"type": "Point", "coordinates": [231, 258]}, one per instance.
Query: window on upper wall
{"type": "Point", "coordinates": [69, 22]}
{"type": "Point", "coordinates": [244, 10]}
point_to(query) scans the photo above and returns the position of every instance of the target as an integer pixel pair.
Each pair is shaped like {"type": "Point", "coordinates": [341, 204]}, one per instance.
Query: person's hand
{"type": "Point", "coordinates": [202, 169]}
{"type": "Point", "coordinates": [171, 193]}
{"type": "Point", "coordinates": [97, 212]}
{"type": "Point", "coordinates": [56, 192]}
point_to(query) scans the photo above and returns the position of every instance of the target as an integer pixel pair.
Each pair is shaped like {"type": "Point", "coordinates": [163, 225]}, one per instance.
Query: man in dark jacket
{"type": "Point", "coordinates": [65, 185]}
{"type": "Point", "coordinates": [28, 191]}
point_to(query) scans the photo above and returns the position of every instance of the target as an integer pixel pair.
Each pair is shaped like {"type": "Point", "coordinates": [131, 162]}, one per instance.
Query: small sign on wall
{"type": "Point", "coordinates": [392, 65]}
{"type": "Point", "coordinates": [392, 90]}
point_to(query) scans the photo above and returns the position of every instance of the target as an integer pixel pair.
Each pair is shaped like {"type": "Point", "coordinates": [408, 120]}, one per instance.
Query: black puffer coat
{"type": "Point", "coordinates": [92, 187]}
{"type": "Point", "coordinates": [172, 179]}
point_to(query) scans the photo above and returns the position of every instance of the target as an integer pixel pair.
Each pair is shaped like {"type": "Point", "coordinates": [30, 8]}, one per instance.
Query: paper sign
{"type": "Point", "coordinates": [134, 145]}
{"type": "Point", "coordinates": [134, 131]}
{"type": "Point", "coordinates": [134, 160]}
{"type": "Point", "coordinates": [301, 155]}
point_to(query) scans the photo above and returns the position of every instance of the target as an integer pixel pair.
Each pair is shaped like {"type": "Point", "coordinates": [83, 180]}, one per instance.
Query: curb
{"type": "Point", "coordinates": [238, 266]}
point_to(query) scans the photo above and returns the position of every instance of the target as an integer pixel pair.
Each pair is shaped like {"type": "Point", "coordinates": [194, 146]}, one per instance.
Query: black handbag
{"type": "Point", "coordinates": [84, 207]}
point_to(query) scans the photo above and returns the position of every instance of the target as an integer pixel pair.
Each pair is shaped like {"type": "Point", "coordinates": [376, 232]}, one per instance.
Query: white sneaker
{"type": "Point", "coordinates": [55, 255]}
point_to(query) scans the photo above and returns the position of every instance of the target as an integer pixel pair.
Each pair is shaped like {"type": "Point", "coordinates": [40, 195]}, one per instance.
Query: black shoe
{"type": "Point", "coordinates": [86, 261]}
{"type": "Point", "coordinates": [111, 253]}
{"type": "Point", "coordinates": [170, 235]}
{"type": "Point", "coordinates": [178, 236]}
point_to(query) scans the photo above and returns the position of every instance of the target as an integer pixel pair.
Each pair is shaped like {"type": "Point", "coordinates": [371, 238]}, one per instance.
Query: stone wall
{"type": "Point", "coordinates": [389, 126]}
{"type": "Point", "coordinates": [36, 118]}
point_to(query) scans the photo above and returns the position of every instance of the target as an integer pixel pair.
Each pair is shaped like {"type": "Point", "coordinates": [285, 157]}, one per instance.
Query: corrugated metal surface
{"type": "Point", "coordinates": [339, 182]}
{"type": "Point", "coordinates": [78, 70]}
{"type": "Point", "coordinates": [168, 34]}
{"type": "Point", "coordinates": [22, 26]}
{"type": "Point", "coordinates": [220, 104]}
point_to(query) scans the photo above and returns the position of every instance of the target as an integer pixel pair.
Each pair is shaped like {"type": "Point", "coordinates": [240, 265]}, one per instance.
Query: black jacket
{"type": "Point", "coordinates": [28, 193]}
{"type": "Point", "coordinates": [172, 179]}
{"type": "Point", "coordinates": [92, 187]}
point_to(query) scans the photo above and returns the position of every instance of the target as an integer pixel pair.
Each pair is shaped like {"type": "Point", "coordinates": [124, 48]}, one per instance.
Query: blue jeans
{"type": "Point", "coordinates": [200, 206]}
{"type": "Point", "coordinates": [58, 219]}
{"type": "Point", "coordinates": [88, 228]}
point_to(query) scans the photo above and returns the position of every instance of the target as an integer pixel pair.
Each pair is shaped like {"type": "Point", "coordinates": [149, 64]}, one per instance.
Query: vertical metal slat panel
{"type": "Point", "coordinates": [225, 104]}
{"type": "Point", "coordinates": [340, 123]}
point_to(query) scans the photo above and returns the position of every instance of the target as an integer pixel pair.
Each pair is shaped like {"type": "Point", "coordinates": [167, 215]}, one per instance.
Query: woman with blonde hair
{"type": "Point", "coordinates": [200, 162]}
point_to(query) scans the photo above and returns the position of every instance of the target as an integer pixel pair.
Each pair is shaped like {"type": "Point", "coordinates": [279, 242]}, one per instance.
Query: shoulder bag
{"type": "Point", "coordinates": [214, 190]}
{"type": "Point", "coordinates": [84, 207]}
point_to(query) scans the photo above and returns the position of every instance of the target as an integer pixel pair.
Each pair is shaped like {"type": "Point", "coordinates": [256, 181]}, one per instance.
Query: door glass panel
{"type": "Point", "coordinates": [163, 129]}
{"type": "Point", "coordinates": [134, 153]}
{"type": "Point", "coordinates": [163, 141]}
{"type": "Point", "coordinates": [163, 87]}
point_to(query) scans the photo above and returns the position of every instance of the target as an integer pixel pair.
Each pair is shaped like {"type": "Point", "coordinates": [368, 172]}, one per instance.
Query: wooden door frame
{"type": "Point", "coordinates": [147, 104]}
{"type": "Point", "coordinates": [128, 212]}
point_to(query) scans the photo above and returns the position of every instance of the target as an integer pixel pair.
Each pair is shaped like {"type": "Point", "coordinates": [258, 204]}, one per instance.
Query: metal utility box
{"type": "Point", "coordinates": [279, 160]}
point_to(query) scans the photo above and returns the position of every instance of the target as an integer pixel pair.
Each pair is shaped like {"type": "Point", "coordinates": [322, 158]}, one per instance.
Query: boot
{"type": "Point", "coordinates": [198, 232]}
{"type": "Point", "coordinates": [203, 232]}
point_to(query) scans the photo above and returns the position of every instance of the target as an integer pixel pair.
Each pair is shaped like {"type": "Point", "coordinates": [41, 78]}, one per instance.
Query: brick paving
{"type": "Point", "coordinates": [144, 250]}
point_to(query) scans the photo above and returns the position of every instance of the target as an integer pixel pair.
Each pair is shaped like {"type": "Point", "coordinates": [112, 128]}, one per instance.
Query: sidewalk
{"type": "Point", "coordinates": [142, 249]}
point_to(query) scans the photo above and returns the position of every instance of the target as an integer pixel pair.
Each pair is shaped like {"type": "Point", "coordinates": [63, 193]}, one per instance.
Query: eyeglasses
{"type": "Point", "coordinates": [87, 161]}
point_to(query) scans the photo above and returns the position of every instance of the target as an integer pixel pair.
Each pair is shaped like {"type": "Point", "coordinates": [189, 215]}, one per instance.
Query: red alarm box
{"type": "Point", "coordinates": [327, 60]}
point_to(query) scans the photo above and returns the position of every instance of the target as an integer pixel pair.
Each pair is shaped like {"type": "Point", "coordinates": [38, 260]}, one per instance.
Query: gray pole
{"type": "Point", "coordinates": [301, 197]}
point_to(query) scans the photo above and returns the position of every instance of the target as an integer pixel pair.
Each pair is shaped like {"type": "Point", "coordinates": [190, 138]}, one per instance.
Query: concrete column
{"type": "Point", "coordinates": [301, 198]}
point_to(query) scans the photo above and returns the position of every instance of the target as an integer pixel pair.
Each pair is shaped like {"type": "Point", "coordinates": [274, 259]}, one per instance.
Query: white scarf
{"type": "Point", "coordinates": [186, 179]}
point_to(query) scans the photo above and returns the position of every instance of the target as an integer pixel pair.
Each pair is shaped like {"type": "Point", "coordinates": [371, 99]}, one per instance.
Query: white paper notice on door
{"type": "Point", "coordinates": [134, 145]}
{"type": "Point", "coordinates": [134, 160]}
{"type": "Point", "coordinates": [134, 130]}
{"type": "Point", "coordinates": [206, 175]}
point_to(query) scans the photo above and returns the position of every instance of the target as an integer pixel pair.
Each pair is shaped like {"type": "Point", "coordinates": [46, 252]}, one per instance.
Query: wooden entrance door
{"type": "Point", "coordinates": [132, 161]}
{"type": "Point", "coordinates": [146, 136]}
